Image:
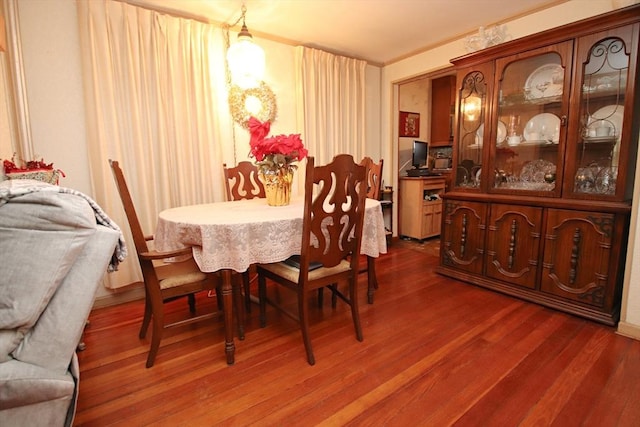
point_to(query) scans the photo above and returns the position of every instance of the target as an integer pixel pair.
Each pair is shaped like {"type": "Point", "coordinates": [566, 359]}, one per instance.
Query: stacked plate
{"type": "Point", "coordinates": [542, 128]}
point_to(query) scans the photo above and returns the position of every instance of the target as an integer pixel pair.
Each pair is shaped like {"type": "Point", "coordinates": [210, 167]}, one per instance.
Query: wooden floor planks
{"type": "Point", "coordinates": [436, 352]}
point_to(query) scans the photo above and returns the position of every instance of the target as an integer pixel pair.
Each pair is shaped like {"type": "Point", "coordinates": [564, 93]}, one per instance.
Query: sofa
{"type": "Point", "coordinates": [55, 247]}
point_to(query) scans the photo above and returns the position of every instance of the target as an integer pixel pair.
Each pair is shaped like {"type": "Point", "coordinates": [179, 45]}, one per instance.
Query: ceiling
{"type": "Point", "coordinates": [378, 31]}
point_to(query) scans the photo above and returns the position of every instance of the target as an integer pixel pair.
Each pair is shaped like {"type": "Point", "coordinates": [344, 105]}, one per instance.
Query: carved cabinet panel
{"type": "Point", "coordinates": [513, 244]}
{"type": "Point", "coordinates": [578, 255]}
{"type": "Point", "coordinates": [463, 240]}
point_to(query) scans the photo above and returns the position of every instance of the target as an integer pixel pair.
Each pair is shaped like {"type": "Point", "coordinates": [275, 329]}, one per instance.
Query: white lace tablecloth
{"type": "Point", "coordinates": [234, 235]}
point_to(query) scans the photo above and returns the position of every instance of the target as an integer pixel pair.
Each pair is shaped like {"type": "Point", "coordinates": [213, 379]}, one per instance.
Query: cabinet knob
{"type": "Point", "coordinates": [563, 120]}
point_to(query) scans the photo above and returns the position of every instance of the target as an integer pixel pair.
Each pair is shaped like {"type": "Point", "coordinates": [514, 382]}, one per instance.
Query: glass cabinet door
{"type": "Point", "coordinates": [471, 132]}
{"type": "Point", "coordinates": [599, 152]}
{"type": "Point", "coordinates": [532, 97]}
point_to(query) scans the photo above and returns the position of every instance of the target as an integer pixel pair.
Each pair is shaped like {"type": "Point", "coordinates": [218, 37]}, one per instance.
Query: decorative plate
{"type": "Point", "coordinates": [544, 127]}
{"type": "Point", "coordinates": [502, 134]}
{"type": "Point", "coordinates": [545, 81]}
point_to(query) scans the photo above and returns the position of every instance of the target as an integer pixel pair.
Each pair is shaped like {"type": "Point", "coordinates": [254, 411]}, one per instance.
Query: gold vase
{"type": "Point", "coordinates": [277, 186]}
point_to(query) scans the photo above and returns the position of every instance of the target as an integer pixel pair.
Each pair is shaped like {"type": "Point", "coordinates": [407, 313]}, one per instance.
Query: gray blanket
{"type": "Point", "coordinates": [15, 188]}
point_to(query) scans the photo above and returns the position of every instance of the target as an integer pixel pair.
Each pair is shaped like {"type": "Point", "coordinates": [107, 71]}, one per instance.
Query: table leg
{"type": "Point", "coordinates": [227, 307]}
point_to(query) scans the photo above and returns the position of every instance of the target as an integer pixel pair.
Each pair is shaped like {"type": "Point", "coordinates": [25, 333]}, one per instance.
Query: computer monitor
{"type": "Point", "coordinates": [420, 154]}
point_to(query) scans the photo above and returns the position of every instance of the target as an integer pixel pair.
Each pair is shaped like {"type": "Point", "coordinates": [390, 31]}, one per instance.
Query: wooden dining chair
{"type": "Point", "coordinates": [331, 235]}
{"type": "Point", "coordinates": [374, 177]}
{"type": "Point", "coordinates": [164, 281]}
{"type": "Point", "coordinates": [242, 183]}
{"type": "Point", "coordinates": [374, 185]}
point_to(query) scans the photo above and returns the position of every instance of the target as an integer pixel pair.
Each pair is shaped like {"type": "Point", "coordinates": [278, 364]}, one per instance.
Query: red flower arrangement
{"type": "Point", "coordinates": [32, 169]}
{"type": "Point", "coordinates": [276, 152]}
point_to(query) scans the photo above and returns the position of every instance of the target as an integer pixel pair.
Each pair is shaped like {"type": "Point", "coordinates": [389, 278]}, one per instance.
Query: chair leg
{"type": "Point", "coordinates": [303, 314]}
{"type": "Point", "coordinates": [355, 313]}
{"type": "Point", "coordinates": [146, 317]}
{"type": "Point", "coordinates": [156, 335]}
{"type": "Point", "coordinates": [334, 295]}
{"type": "Point", "coordinates": [262, 297]}
{"type": "Point", "coordinates": [246, 281]}
{"type": "Point", "coordinates": [237, 306]}
{"type": "Point", "coordinates": [192, 303]}
{"type": "Point", "coordinates": [372, 280]}
{"type": "Point", "coordinates": [320, 297]}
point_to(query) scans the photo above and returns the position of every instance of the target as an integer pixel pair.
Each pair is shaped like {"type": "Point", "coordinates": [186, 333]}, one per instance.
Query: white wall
{"type": "Point", "coordinates": [49, 32]}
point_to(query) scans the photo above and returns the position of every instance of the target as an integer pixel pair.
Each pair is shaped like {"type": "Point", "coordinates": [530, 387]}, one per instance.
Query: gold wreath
{"type": "Point", "coordinates": [238, 98]}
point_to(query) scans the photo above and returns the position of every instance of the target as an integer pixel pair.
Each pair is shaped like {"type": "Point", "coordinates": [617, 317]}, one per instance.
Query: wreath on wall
{"type": "Point", "coordinates": [259, 102]}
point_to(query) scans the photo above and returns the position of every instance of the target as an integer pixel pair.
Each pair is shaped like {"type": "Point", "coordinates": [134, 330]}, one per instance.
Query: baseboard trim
{"type": "Point", "coordinates": [629, 330]}
{"type": "Point", "coordinates": [134, 293]}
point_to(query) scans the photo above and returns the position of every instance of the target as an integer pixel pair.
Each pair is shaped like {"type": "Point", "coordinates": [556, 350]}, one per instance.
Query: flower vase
{"type": "Point", "coordinates": [277, 186]}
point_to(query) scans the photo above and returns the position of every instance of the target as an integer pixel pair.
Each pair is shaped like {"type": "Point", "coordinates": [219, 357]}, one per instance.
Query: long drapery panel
{"type": "Point", "coordinates": [331, 102]}
{"type": "Point", "coordinates": [156, 101]}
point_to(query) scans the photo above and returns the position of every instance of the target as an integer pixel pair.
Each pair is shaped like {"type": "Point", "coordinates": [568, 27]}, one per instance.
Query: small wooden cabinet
{"type": "Point", "coordinates": [544, 154]}
{"type": "Point", "coordinates": [421, 207]}
{"type": "Point", "coordinates": [443, 99]}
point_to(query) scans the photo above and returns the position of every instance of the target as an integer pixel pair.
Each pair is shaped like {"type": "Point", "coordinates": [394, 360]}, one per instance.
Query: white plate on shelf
{"type": "Point", "coordinates": [502, 134]}
{"type": "Point", "coordinates": [545, 81]}
{"type": "Point", "coordinates": [612, 116]}
{"type": "Point", "coordinates": [543, 127]}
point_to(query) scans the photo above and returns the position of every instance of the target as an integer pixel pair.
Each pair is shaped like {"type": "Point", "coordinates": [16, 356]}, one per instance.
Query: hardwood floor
{"type": "Point", "coordinates": [436, 352]}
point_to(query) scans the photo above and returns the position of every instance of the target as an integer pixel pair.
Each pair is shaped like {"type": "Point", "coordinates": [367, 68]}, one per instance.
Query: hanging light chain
{"type": "Point", "coordinates": [227, 44]}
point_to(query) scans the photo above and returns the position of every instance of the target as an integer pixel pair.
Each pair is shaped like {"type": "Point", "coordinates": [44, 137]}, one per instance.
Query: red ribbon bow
{"type": "Point", "coordinates": [258, 130]}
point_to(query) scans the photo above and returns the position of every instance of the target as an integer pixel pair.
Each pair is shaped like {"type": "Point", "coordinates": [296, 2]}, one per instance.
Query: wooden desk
{"type": "Point", "coordinates": [230, 236]}
{"type": "Point", "coordinates": [420, 216]}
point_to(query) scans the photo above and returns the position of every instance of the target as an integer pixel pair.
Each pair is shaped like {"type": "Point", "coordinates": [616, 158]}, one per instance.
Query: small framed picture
{"type": "Point", "coordinates": [409, 124]}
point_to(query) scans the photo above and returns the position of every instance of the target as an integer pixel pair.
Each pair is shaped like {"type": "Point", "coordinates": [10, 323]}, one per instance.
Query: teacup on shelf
{"type": "Point", "coordinates": [513, 140]}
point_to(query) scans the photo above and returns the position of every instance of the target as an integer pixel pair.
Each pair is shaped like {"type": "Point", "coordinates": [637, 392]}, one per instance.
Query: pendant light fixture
{"type": "Point", "coordinates": [245, 58]}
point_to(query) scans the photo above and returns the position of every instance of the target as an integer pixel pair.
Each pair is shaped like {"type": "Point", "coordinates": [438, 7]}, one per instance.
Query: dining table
{"type": "Point", "coordinates": [231, 236]}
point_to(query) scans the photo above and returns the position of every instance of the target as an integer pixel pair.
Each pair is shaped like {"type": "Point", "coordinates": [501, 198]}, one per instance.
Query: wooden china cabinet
{"type": "Point", "coordinates": [545, 148]}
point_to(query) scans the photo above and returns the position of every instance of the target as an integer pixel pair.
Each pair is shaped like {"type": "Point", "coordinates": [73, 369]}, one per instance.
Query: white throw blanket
{"type": "Point", "coordinates": [15, 188]}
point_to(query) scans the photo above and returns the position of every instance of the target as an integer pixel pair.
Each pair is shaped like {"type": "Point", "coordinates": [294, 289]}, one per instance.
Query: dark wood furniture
{"type": "Point", "coordinates": [421, 206]}
{"type": "Point", "coordinates": [374, 177]}
{"type": "Point", "coordinates": [242, 182]}
{"type": "Point", "coordinates": [443, 98]}
{"type": "Point", "coordinates": [545, 149]}
{"type": "Point", "coordinates": [163, 282]}
{"type": "Point", "coordinates": [331, 235]}
{"type": "Point", "coordinates": [374, 191]}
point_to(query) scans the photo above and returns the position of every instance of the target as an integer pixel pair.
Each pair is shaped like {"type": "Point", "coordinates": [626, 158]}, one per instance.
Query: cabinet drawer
{"type": "Point", "coordinates": [513, 244]}
{"type": "Point", "coordinates": [464, 233]}
{"type": "Point", "coordinates": [577, 256]}
{"type": "Point", "coordinates": [431, 217]}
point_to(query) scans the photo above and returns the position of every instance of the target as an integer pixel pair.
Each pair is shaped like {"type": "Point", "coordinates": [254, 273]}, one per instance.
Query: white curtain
{"type": "Point", "coordinates": [331, 102]}
{"type": "Point", "coordinates": [155, 95]}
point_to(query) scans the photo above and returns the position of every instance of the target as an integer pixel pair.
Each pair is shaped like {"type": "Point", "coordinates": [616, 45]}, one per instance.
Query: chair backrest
{"type": "Point", "coordinates": [334, 206]}
{"type": "Point", "coordinates": [374, 177]}
{"type": "Point", "coordinates": [134, 223]}
{"type": "Point", "coordinates": [242, 182]}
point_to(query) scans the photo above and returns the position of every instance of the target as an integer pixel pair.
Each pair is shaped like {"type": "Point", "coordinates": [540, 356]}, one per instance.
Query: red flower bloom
{"type": "Point", "coordinates": [275, 152]}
